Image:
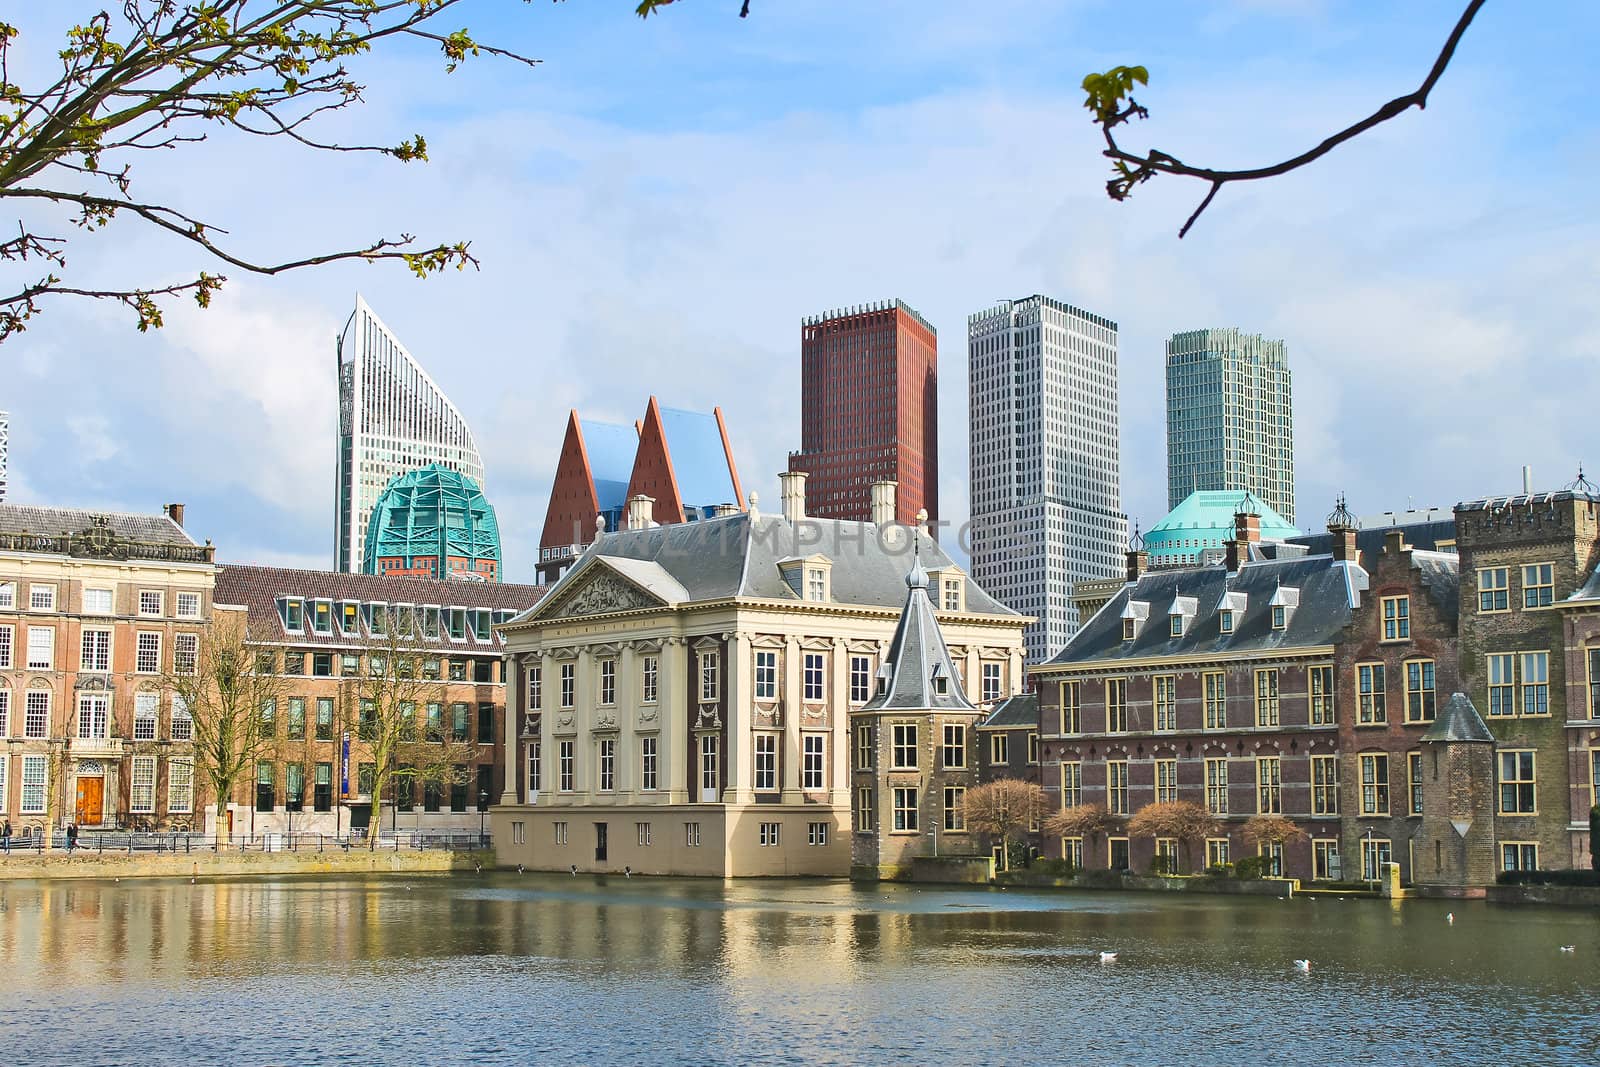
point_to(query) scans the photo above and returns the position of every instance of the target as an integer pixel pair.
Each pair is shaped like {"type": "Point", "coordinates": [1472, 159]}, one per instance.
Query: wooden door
{"type": "Point", "coordinates": [91, 801]}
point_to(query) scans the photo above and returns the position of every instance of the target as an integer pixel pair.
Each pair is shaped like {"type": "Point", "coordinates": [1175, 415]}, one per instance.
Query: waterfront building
{"type": "Point", "coordinates": [95, 608]}
{"type": "Point", "coordinates": [392, 419]}
{"type": "Point", "coordinates": [321, 631]}
{"type": "Point", "coordinates": [1230, 417]}
{"type": "Point", "coordinates": [869, 410]}
{"type": "Point", "coordinates": [685, 691]}
{"type": "Point", "coordinates": [1046, 496]}
{"type": "Point", "coordinates": [681, 460]}
{"type": "Point", "coordinates": [433, 522]}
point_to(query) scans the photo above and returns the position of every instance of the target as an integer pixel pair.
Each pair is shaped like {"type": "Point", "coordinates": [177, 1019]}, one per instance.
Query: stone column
{"type": "Point", "coordinates": [513, 727]}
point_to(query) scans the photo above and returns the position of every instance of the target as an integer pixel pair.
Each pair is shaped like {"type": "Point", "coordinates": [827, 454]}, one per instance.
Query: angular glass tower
{"type": "Point", "coordinates": [433, 523]}
{"type": "Point", "coordinates": [1230, 417]}
{"type": "Point", "coordinates": [1046, 478]}
{"type": "Point", "coordinates": [392, 419]}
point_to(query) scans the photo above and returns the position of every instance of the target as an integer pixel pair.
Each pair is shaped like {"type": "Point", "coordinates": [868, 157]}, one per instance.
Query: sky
{"type": "Point", "coordinates": [659, 203]}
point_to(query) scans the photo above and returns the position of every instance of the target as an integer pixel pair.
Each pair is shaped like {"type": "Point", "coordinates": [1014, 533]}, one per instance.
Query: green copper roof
{"type": "Point", "coordinates": [1205, 519]}
{"type": "Point", "coordinates": [433, 513]}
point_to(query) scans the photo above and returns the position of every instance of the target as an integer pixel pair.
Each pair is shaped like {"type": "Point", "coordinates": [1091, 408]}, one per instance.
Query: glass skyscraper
{"type": "Point", "coordinates": [392, 419]}
{"type": "Point", "coordinates": [1230, 417]}
{"type": "Point", "coordinates": [1046, 478]}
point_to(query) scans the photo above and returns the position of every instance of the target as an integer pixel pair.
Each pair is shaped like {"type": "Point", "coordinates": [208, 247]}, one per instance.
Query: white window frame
{"type": "Point", "coordinates": [649, 765]}
{"type": "Point", "coordinates": [188, 605]}
{"type": "Point", "coordinates": [813, 772]}
{"type": "Point", "coordinates": [860, 679]}
{"type": "Point", "coordinates": [766, 763]}
{"type": "Point", "coordinates": [41, 596]}
{"type": "Point", "coordinates": [142, 786]}
{"type": "Point", "coordinates": [144, 651]}
{"type": "Point", "coordinates": [94, 649]}
{"type": "Point", "coordinates": [144, 606]}
{"type": "Point", "coordinates": [766, 675]}
{"type": "Point", "coordinates": [37, 705]}
{"type": "Point", "coordinates": [35, 776]}
{"type": "Point", "coordinates": [814, 685]}
{"type": "Point", "coordinates": [108, 607]}
{"type": "Point", "coordinates": [649, 679]}
{"type": "Point", "coordinates": [146, 715]}
{"type": "Point", "coordinates": [42, 658]}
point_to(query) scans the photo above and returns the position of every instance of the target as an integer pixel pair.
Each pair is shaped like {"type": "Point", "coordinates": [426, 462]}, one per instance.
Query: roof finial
{"type": "Point", "coordinates": [1582, 485]}
{"type": "Point", "coordinates": [599, 525]}
{"type": "Point", "coordinates": [1341, 519]}
{"type": "Point", "coordinates": [917, 578]}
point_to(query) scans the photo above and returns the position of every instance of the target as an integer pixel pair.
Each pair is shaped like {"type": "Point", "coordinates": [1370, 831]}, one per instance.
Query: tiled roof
{"type": "Point", "coordinates": [148, 529]}
{"type": "Point", "coordinates": [257, 589]}
{"type": "Point", "coordinates": [1020, 710]}
{"type": "Point", "coordinates": [918, 658]}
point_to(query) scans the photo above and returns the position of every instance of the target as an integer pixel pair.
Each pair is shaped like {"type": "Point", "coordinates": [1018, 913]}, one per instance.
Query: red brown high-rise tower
{"type": "Point", "coordinates": [869, 410]}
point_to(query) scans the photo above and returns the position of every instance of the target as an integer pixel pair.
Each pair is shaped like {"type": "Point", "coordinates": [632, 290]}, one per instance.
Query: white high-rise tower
{"type": "Point", "coordinates": [392, 419]}
{"type": "Point", "coordinates": [1046, 474]}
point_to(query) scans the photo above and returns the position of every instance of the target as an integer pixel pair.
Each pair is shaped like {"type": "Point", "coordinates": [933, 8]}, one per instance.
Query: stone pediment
{"type": "Point", "coordinates": [601, 592]}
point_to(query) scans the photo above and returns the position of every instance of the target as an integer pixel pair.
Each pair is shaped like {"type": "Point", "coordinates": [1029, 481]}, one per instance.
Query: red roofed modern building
{"type": "Point", "coordinates": [869, 410]}
{"type": "Point", "coordinates": [681, 460]}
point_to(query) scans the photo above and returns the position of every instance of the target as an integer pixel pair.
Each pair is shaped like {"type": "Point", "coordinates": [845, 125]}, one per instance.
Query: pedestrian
{"type": "Point", "coordinates": [72, 837]}
{"type": "Point", "coordinates": [5, 836]}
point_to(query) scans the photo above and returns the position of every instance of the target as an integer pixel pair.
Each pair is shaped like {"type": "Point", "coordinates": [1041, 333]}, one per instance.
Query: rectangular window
{"type": "Point", "coordinates": [1420, 705]}
{"type": "Point", "coordinates": [1324, 858]}
{"type": "Point", "coordinates": [1493, 590]}
{"type": "Point", "coordinates": [813, 691]}
{"type": "Point", "coordinates": [860, 679]}
{"type": "Point", "coordinates": [182, 721]}
{"type": "Point", "coordinates": [295, 663]}
{"type": "Point", "coordinates": [608, 681]}
{"type": "Point", "coordinates": [297, 718]}
{"type": "Point", "coordinates": [535, 694]}
{"type": "Point", "coordinates": [1414, 783]}
{"type": "Point", "coordinates": [1217, 852]}
{"type": "Point", "coordinates": [766, 674]}
{"type": "Point", "coordinates": [1321, 685]}
{"type": "Point", "coordinates": [485, 724]}
{"type": "Point", "coordinates": [648, 675]}
{"type": "Point", "coordinates": [188, 605]}
{"type": "Point", "coordinates": [1538, 585]}
{"type": "Point", "coordinates": [7, 646]}
{"type": "Point", "coordinates": [95, 651]}
{"type": "Point", "coordinates": [1225, 620]}
{"type": "Point", "coordinates": [1267, 697]}
{"type": "Point", "coordinates": [186, 653]}
{"type": "Point", "coordinates": [1166, 687]}
{"type": "Point", "coordinates": [1518, 783]}
{"type": "Point", "coordinates": [1072, 784]}
{"type": "Point", "coordinates": [999, 749]}
{"type": "Point", "coordinates": [33, 784]}
{"type": "Point", "coordinates": [142, 787]}
{"type": "Point", "coordinates": [691, 834]}
{"type": "Point", "coordinates": [952, 594]}
{"type": "Point", "coordinates": [1396, 618]}
{"type": "Point", "coordinates": [566, 767]}
{"type": "Point", "coordinates": [953, 755]}
{"type": "Point", "coordinates": [5, 728]}
{"type": "Point", "coordinates": [146, 714]}
{"type": "Point", "coordinates": [864, 747]}
{"type": "Point", "coordinates": [1593, 657]}
{"type": "Point", "coordinates": [94, 714]}
{"type": "Point", "coordinates": [1373, 706]}
{"type": "Point", "coordinates": [955, 808]}
{"type": "Point", "coordinates": [1175, 625]}
{"type": "Point", "coordinates": [816, 584]}
{"type": "Point", "coordinates": [816, 833]}
{"type": "Point", "coordinates": [266, 787]}
{"type": "Point", "coordinates": [147, 655]}
{"type": "Point", "coordinates": [642, 830]}
{"type": "Point", "coordinates": [710, 767]}
{"type": "Point", "coordinates": [608, 764]}
{"type": "Point", "coordinates": [1116, 705]}
{"type": "Point", "coordinates": [1535, 682]}
{"type": "Point", "coordinates": [768, 834]}
{"type": "Point", "coordinates": [1375, 853]}
{"type": "Point", "coordinates": [569, 684]}
{"type": "Point", "coordinates": [1166, 781]}
{"type": "Point", "coordinates": [36, 714]}
{"type": "Point", "coordinates": [766, 762]}
{"type": "Point", "coordinates": [1216, 699]}
{"type": "Point", "coordinates": [1033, 747]}
{"type": "Point", "coordinates": [1374, 784]}
{"type": "Point", "coordinates": [8, 595]}
{"type": "Point", "coordinates": [1128, 629]}
{"type": "Point", "coordinates": [459, 715]}
{"type": "Point", "coordinates": [150, 602]}
{"type": "Point", "coordinates": [863, 810]}
{"type": "Point", "coordinates": [1324, 785]}
{"type": "Point", "coordinates": [811, 770]}
{"type": "Point", "coordinates": [648, 764]}
{"type": "Point", "coordinates": [991, 683]}
{"type": "Point", "coordinates": [180, 785]}
{"type": "Point", "coordinates": [1072, 852]}
{"type": "Point", "coordinates": [1519, 856]}
{"type": "Point", "coordinates": [1117, 786]}
{"type": "Point", "coordinates": [710, 675]}
{"type": "Point", "coordinates": [41, 648]}
{"type": "Point", "coordinates": [97, 602]}
{"type": "Point", "coordinates": [1071, 709]}
{"type": "Point", "coordinates": [1217, 786]}
{"type": "Point", "coordinates": [905, 809]}
{"type": "Point", "coordinates": [294, 786]}
{"type": "Point", "coordinates": [560, 832]}
{"type": "Point", "coordinates": [322, 793]}
{"type": "Point", "coordinates": [42, 597]}
{"type": "Point", "coordinates": [905, 746]}
{"type": "Point", "coordinates": [1269, 785]}
{"type": "Point", "coordinates": [535, 771]}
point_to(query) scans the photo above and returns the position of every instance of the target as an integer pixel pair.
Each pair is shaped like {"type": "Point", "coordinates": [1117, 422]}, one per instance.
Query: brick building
{"type": "Point", "coordinates": [321, 630]}
{"type": "Point", "coordinates": [869, 410]}
{"type": "Point", "coordinates": [95, 609]}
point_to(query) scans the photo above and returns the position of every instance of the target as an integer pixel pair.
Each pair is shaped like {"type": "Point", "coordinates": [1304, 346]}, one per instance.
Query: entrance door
{"type": "Point", "coordinates": [1119, 854]}
{"type": "Point", "coordinates": [599, 842]}
{"type": "Point", "coordinates": [91, 801]}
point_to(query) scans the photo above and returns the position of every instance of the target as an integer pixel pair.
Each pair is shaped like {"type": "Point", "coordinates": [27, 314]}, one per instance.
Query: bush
{"type": "Point", "coordinates": [1249, 867]}
{"type": "Point", "coordinates": [1054, 868]}
{"type": "Point", "coordinates": [1572, 877]}
{"type": "Point", "coordinates": [1220, 870]}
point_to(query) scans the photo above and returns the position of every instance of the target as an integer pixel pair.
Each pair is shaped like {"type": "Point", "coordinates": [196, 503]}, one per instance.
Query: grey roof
{"type": "Point", "coordinates": [1590, 590]}
{"type": "Point", "coordinates": [917, 658]}
{"type": "Point", "coordinates": [1328, 590]}
{"type": "Point", "coordinates": [1020, 710]}
{"type": "Point", "coordinates": [1441, 577]}
{"type": "Point", "coordinates": [1425, 533]}
{"type": "Point", "coordinates": [1460, 722]}
{"type": "Point", "coordinates": [53, 522]}
{"type": "Point", "coordinates": [735, 555]}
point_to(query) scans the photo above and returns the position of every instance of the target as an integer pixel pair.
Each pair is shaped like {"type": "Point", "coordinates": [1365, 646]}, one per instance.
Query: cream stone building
{"type": "Point", "coordinates": [685, 691]}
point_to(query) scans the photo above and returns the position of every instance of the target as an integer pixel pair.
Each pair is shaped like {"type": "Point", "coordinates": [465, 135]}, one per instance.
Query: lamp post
{"type": "Point", "coordinates": [483, 801]}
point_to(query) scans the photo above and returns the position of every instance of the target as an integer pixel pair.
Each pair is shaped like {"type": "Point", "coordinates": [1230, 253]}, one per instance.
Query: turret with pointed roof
{"type": "Point", "coordinates": [918, 673]}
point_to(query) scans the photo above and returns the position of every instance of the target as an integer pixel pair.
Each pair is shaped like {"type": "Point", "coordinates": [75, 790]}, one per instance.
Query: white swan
{"type": "Point", "coordinates": [1303, 966]}
{"type": "Point", "coordinates": [1569, 948]}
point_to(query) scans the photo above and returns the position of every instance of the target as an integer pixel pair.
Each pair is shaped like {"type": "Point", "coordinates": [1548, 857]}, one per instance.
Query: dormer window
{"type": "Point", "coordinates": [378, 618]}
{"type": "Point", "coordinates": [1280, 617]}
{"type": "Point", "coordinates": [322, 616]}
{"type": "Point", "coordinates": [350, 617]}
{"type": "Point", "coordinates": [1284, 601]}
{"type": "Point", "coordinates": [816, 584]}
{"type": "Point", "coordinates": [293, 613]}
{"type": "Point", "coordinates": [952, 594]}
{"type": "Point", "coordinates": [1133, 617]}
{"type": "Point", "coordinates": [1128, 631]}
{"type": "Point", "coordinates": [1225, 620]}
{"type": "Point", "coordinates": [808, 577]}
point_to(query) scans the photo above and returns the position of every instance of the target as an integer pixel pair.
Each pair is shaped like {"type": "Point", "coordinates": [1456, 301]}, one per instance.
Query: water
{"type": "Point", "coordinates": [539, 969]}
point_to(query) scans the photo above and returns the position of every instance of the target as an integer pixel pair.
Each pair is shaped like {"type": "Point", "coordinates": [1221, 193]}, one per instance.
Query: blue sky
{"type": "Point", "coordinates": [659, 203]}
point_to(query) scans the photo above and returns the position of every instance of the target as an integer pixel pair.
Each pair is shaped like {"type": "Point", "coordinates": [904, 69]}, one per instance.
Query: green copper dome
{"type": "Point", "coordinates": [1205, 521]}
{"type": "Point", "coordinates": [433, 522]}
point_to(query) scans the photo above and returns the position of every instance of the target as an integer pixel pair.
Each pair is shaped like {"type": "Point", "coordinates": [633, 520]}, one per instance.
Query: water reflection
{"type": "Point", "coordinates": [510, 968]}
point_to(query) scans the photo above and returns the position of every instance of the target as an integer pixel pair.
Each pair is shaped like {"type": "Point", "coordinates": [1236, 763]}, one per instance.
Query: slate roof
{"type": "Point", "coordinates": [1370, 537]}
{"type": "Point", "coordinates": [1328, 590]}
{"type": "Point", "coordinates": [1020, 710]}
{"type": "Point", "coordinates": [149, 529]}
{"type": "Point", "coordinates": [734, 555]}
{"type": "Point", "coordinates": [1590, 590]}
{"type": "Point", "coordinates": [1459, 721]}
{"type": "Point", "coordinates": [700, 462]}
{"type": "Point", "coordinates": [257, 590]}
{"type": "Point", "coordinates": [1441, 577]}
{"type": "Point", "coordinates": [917, 659]}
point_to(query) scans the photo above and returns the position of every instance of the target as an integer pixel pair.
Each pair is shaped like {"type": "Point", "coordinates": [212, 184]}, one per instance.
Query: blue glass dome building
{"type": "Point", "coordinates": [1204, 522]}
{"type": "Point", "coordinates": [433, 522]}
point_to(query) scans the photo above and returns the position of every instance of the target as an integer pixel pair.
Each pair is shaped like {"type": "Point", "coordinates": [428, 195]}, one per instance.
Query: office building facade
{"type": "Point", "coordinates": [1046, 476]}
{"type": "Point", "coordinates": [1230, 417]}
{"type": "Point", "coordinates": [433, 523]}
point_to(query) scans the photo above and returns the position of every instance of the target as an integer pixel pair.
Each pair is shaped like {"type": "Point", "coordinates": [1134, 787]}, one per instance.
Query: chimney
{"type": "Point", "coordinates": [175, 513]}
{"type": "Point", "coordinates": [792, 491]}
{"type": "Point", "coordinates": [722, 511]}
{"type": "Point", "coordinates": [1527, 480]}
{"type": "Point", "coordinates": [883, 503]}
{"type": "Point", "coordinates": [1138, 563]}
{"type": "Point", "coordinates": [641, 510]}
{"type": "Point", "coordinates": [1394, 543]}
{"type": "Point", "coordinates": [1246, 531]}
{"type": "Point", "coordinates": [1342, 529]}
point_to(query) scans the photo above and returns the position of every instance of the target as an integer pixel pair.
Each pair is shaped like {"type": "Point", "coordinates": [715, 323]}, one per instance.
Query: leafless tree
{"type": "Point", "coordinates": [1005, 809]}
{"type": "Point", "coordinates": [1084, 820]}
{"type": "Point", "coordinates": [1181, 819]}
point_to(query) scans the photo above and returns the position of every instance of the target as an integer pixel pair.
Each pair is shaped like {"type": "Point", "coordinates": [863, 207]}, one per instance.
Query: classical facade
{"type": "Point", "coordinates": [321, 631]}
{"type": "Point", "coordinates": [685, 692]}
{"type": "Point", "coordinates": [95, 609]}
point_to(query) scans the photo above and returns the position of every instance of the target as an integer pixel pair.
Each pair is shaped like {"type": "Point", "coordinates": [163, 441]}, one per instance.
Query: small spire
{"type": "Point", "coordinates": [1582, 485]}
{"type": "Point", "coordinates": [1136, 542]}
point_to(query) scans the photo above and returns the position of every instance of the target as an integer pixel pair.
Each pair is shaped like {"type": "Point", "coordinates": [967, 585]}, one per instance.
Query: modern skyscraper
{"type": "Point", "coordinates": [1046, 478]}
{"type": "Point", "coordinates": [1230, 417]}
{"type": "Point", "coordinates": [433, 523]}
{"type": "Point", "coordinates": [5, 445]}
{"type": "Point", "coordinates": [392, 419]}
{"type": "Point", "coordinates": [869, 410]}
